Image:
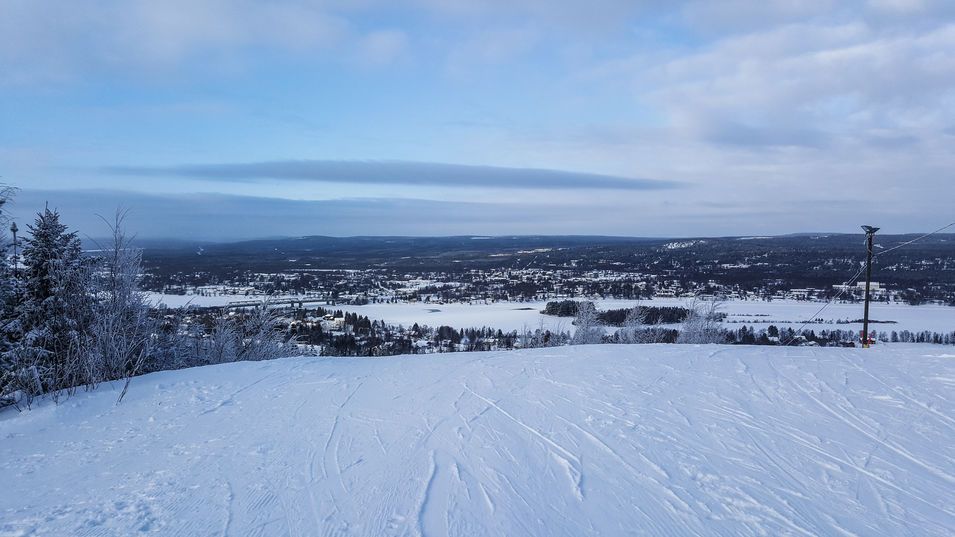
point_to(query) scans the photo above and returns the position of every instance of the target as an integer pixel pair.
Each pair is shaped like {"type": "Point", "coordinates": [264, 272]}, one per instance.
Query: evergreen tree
{"type": "Point", "coordinates": [55, 308]}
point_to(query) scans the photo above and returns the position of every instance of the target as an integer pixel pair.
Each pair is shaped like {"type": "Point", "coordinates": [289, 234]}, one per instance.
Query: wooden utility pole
{"type": "Point", "coordinates": [869, 234]}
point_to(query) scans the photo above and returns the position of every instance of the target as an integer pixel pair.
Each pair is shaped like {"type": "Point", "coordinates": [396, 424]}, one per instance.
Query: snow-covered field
{"type": "Point", "coordinates": [526, 315]}
{"type": "Point", "coordinates": [600, 440]}
{"type": "Point", "coordinates": [521, 315]}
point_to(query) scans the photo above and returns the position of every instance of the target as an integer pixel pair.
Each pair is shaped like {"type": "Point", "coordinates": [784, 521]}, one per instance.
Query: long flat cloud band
{"type": "Point", "coordinates": [230, 217]}
{"type": "Point", "coordinates": [396, 173]}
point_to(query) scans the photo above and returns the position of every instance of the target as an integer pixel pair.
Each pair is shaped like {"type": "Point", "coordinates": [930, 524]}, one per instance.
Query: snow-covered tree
{"type": "Point", "coordinates": [77, 320]}
{"type": "Point", "coordinates": [634, 327]}
{"type": "Point", "coordinates": [247, 335]}
{"type": "Point", "coordinates": [703, 323]}
{"type": "Point", "coordinates": [9, 328]}
{"type": "Point", "coordinates": [588, 329]}
{"type": "Point", "coordinates": [123, 328]}
{"type": "Point", "coordinates": [54, 309]}
{"type": "Point", "coordinates": [223, 342]}
{"type": "Point", "coordinates": [260, 336]}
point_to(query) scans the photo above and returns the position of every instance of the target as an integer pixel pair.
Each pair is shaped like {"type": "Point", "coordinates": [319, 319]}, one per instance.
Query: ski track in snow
{"type": "Point", "coordinates": [597, 440]}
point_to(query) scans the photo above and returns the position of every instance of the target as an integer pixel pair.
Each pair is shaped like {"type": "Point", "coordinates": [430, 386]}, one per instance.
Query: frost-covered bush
{"type": "Point", "coordinates": [634, 327]}
{"type": "Point", "coordinates": [588, 329]}
{"type": "Point", "coordinates": [703, 323]}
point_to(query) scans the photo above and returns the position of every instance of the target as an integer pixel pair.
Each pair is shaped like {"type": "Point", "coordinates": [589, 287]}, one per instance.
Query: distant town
{"type": "Point", "coordinates": [456, 269]}
{"type": "Point", "coordinates": [318, 286]}
{"type": "Point", "coordinates": [359, 287]}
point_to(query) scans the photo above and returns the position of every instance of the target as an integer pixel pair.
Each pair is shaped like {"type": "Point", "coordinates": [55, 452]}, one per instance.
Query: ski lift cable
{"type": "Point", "coordinates": [845, 287]}
{"type": "Point", "coordinates": [906, 243]}
{"type": "Point", "coordinates": [856, 276]}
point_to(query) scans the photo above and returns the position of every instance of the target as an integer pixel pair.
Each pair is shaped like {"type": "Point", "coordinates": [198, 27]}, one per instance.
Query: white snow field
{"type": "Point", "coordinates": [526, 315]}
{"type": "Point", "coordinates": [597, 440]}
{"type": "Point", "coordinates": [757, 314]}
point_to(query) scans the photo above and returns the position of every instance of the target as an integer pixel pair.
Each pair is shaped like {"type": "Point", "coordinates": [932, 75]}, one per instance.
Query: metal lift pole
{"type": "Point", "coordinates": [870, 234]}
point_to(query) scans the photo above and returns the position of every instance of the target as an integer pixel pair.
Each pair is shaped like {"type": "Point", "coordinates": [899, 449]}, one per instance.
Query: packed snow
{"type": "Point", "coordinates": [594, 440]}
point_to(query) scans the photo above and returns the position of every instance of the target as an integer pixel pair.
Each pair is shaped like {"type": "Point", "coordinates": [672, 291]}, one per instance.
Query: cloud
{"type": "Point", "coordinates": [58, 40]}
{"type": "Point", "coordinates": [396, 173]}
{"type": "Point", "coordinates": [909, 7]}
{"type": "Point", "coordinates": [802, 84]}
{"type": "Point", "coordinates": [597, 15]}
{"type": "Point", "coordinates": [731, 132]}
{"type": "Point", "coordinates": [221, 217]}
{"type": "Point", "coordinates": [733, 16]}
{"type": "Point", "coordinates": [382, 47]}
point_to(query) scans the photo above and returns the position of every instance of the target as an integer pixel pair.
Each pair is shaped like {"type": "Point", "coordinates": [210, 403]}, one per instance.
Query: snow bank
{"type": "Point", "coordinates": [610, 440]}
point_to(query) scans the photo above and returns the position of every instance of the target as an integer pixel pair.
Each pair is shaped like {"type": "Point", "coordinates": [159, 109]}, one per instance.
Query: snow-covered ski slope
{"type": "Point", "coordinates": [598, 440]}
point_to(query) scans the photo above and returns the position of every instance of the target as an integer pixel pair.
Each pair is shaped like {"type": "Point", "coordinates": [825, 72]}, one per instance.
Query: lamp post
{"type": "Point", "coordinates": [869, 234]}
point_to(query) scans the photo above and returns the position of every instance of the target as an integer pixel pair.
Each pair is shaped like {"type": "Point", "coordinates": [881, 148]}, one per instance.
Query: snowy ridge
{"type": "Point", "coordinates": [610, 440]}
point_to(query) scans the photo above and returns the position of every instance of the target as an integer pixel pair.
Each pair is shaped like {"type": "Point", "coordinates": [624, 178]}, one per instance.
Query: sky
{"type": "Point", "coordinates": [227, 120]}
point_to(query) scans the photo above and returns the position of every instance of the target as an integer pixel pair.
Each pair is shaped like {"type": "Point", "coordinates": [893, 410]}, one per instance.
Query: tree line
{"type": "Point", "coordinates": [617, 317]}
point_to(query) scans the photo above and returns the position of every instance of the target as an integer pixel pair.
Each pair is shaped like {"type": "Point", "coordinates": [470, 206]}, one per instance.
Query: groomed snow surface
{"type": "Point", "coordinates": [598, 440]}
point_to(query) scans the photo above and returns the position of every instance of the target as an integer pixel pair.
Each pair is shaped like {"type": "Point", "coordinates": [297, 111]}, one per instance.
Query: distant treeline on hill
{"type": "Point", "coordinates": [616, 317]}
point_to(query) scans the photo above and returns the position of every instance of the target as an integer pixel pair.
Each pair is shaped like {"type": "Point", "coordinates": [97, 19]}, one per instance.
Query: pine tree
{"type": "Point", "coordinates": [55, 307]}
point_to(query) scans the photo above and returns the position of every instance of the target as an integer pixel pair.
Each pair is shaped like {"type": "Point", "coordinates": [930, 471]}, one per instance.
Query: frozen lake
{"type": "Point", "coordinates": [520, 315]}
